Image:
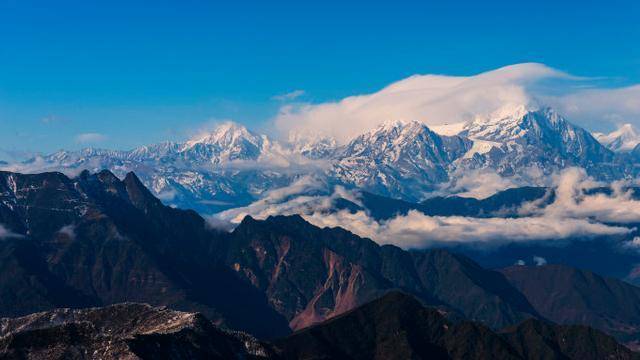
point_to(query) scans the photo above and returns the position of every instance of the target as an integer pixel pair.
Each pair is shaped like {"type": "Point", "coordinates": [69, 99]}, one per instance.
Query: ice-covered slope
{"type": "Point", "coordinates": [516, 138]}
{"type": "Point", "coordinates": [397, 158]}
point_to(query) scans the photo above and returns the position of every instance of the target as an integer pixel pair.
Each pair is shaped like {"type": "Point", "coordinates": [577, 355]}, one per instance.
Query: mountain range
{"type": "Point", "coordinates": [96, 240]}
{"type": "Point", "coordinates": [232, 166]}
{"type": "Point", "coordinates": [395, 326]}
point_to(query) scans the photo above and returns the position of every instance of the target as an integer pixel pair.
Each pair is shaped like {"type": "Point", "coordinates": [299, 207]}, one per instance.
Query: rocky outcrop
{"type": "Point", "coordinates": [122, 331]}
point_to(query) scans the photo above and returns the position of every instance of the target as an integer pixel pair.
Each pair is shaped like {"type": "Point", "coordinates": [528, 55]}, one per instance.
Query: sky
{"type": "Point", "coordinates": [120, 74]}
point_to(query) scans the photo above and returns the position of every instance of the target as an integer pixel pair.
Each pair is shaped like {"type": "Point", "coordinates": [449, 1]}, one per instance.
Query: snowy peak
{"type": "Point", "coordinates": [623, 139]}
{"type": "Point", "coordinates": [155, 151]}
{"type": "Point", "coordinates": [400, 158]}
{"type": "Point", "coordinates": [319, 147]}
{"type": "Point", "coordinates": [229, 141]}
{"type": "Point", "coordinates": [225, 134]}
{"type": "Point", "coordinates": [398, 130]}
{"type": "Point", "coordinates": [505, 124]}
{"type": "Point", "coordinates": [231, 165]}
{"type": "Point", "coordinates": [543, 139]}
{"type": "Point", "coordinates": [391, 138]}
{"type": "Point", "coordinates": [526, 127]}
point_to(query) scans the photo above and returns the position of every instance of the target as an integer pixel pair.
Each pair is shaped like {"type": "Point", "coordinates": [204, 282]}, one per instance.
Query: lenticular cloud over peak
{"type": "Point", "coordinates": [438, 100]}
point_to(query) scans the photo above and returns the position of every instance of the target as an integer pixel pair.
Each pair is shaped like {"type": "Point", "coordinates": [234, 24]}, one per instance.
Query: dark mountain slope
{"type": "Point", "coordinates": [570, 296]}
{"type": "Point", "coordinates": [535, 339]}
{"type": "Point", "coordinates": [310, 274]}
{"type": "Point", "coordinates": [96, 240]}
{"type": "Point", "coordinates": [397, 326]}
{"type": "Point", "coordinates": [487, 298]}
{"type": "Point", "coordinates": [503, 203]}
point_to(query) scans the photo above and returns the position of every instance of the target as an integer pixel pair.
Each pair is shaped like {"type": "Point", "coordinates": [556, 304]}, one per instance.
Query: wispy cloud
{"type": "Point", "coordinates": [594, 107]}
{"type": "Point", "coordinates": [539, 261]}
{"type": "Point", "coordinates": [53, 119]}
{"type": "Point", "coordinates": [6, 233]}
{"type": "Point", "coordinates": [309, 198]}
{"type": "Point", "coordinates": [440, 99]}
{"type": "Point", "coordinates": [484, 182]}
{"type": "Point", "coordinates": [571, 200]}
{"type": "Point", "coordinates": [68, 231]}
{"type": "Point", "coordinates": [416, 230]}
{"type": "Point", "coordinates": [92, 137]}
{"type": "Point", "coordinates": [431, 99]}
{"type": "Point", "coordinates": [292, 95]}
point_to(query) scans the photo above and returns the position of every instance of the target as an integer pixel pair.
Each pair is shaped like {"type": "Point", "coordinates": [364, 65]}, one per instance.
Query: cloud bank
{"type": "Point", "coordinates": [573, 200]}
{"type": "Point", "coordinates": [416, 230]}
{"type": "Point", "coordinates": [574, 213]}
{"type": "Point", "coordinates": [438, 99]}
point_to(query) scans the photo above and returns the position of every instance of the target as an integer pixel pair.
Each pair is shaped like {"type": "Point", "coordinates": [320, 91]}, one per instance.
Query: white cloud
{"type": "Point", "coordinates": [38, 164]}
{"type": "Point", "coordinates": [68, 230]}
{"type": "Point", "coordinates": [6, 233]}
{"type": "Point", "coordinates": [216, 223]}
{"type": "Point", "coordinates": [291, 199]}
{"type": "Point", "coordinates": [438, 99]}
{"type": "Point", "coordinates": [417, 230]}
{"type": "Point", "coordinates": [167, 194]}
{"type": "Point", "coordinates": [539, 261]}
{"type": "Point", "coordinates": [431, 99]}
{"type": "Point", "coordinates": [289, 96]}
{"type": "Point", "coordinates": [601, 109]}
{"type": "Point", "coordinates": [53, 119]}
{"type": "Point", "coordinates": [633, 243]}
{"type": "Point", "coordinates": [572, 202]}
{"type": "Point", "coordinates": [482, 183]}
{"type": "Point", "coordinates": [91, 137]}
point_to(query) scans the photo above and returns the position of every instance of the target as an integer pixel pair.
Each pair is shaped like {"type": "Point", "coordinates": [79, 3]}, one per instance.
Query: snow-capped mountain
{"type": "Point", "coordinates": [220, 169]}
{"type": "Point", "coordinates": [405, 159]}
{"type": "Point", "coordinates": [626, 138]}
{"type": "Point", "coordinates": [232, 166]}
{"type": "Point", "coordinates": [313, 147]}
{"type": "Point", "coordinates": [514, 138]}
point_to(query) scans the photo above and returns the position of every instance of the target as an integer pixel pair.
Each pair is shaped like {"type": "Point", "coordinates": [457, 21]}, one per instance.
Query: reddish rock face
{"type": "Point", "coordinates": [311, 274]}
{"type": "Point", "coordinates": [96, 240]}
{"type": "Point", "coordinates": [398, 326]}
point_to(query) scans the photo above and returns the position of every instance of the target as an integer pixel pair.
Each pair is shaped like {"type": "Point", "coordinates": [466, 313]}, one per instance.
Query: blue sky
{"type": "Point", "coordinates": [137, 73]}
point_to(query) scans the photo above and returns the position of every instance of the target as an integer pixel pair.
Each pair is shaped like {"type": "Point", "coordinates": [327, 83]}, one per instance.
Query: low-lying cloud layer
{"type": "Point", "coordinates": [572, 214]}
{"type": "Point", "coordinates": [6, 233]}
{"type": "Point", "coordinates": [416, 230]}
{"type": "Point", "coordinates": [439, 99]}
{"type": "Point", "coordinates": [572, 202]}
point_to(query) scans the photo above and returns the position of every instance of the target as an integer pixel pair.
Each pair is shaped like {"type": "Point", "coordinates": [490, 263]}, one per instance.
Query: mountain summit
{"type": "Point", "coordinates": [399, 158]}
{"type": "Point", "coordinates": [522, 138]}
{"type": "Point", "coordinates": [625, 138]}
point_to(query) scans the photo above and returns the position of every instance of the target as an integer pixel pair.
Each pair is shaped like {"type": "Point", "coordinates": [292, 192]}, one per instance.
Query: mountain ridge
{"type": "Point", "coordinates": [95, 240]}
{"type": "Point", "coordinates": [232, 166]}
